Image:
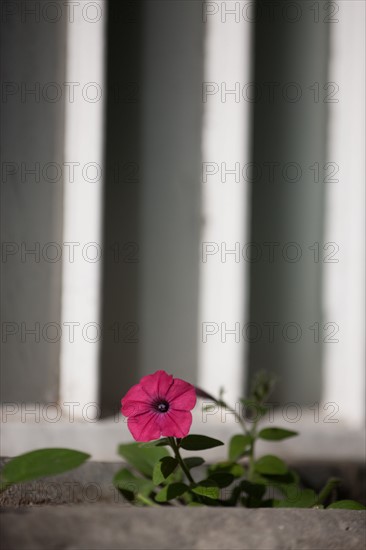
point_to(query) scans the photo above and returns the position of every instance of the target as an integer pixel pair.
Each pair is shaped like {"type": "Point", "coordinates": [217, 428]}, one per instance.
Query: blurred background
{"type": "Point", "coordinates": [182, 189]}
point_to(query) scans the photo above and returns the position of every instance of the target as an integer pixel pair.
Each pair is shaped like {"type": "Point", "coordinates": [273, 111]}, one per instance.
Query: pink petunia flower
{"type": "Point", "coordinates": [159, 405]}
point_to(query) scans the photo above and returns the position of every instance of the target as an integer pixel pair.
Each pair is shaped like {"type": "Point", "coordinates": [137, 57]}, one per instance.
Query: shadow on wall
{"type": "Point", "coordinates": [119, 351]}
{"type": "Point", "coordinates": [152, 195]}
{"type": "Point", "coordinates": [287, 210]}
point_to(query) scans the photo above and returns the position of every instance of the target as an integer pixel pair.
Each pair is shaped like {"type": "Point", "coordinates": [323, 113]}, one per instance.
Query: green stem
{"type": "Point", "coordinates": [145, 500]}
{"type": "Point", "coordinates": [326, 491]}
{"type": "Point", "coordinates": [251, 462]}
{"type": "Point", "coordinates": [176, 452]}
{"type": "Point", "coordinates": [253, 434]}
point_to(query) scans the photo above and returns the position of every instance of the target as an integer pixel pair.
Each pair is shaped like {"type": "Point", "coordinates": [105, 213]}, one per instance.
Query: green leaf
{"type": "Point", "coordinates": [282, 480]}
{"type": "Point", "coordinates": [255, 490]}
{"type": "Point", "coordinates": [209, 408]}
{"type": "Point", "coordinates": [346, 505]}
{"type": "Point", "coordinates": [41, 463]}
{"type": "Point", "coordinates": [303, 498]}
{"type": "Point", "coordinates": [207, 488]}
{"type": "Point", "coordinates": [287, 483]}
{"type": "Point", "coordinates": [234, 497]}
{"type": "Point", "coordinates": [238, 445]}
{"type": "Point", "coordinates": [174, 490]}
{"type": "Point", "coordinates": [229, 467]}
{"type": "Point", "coordinates": [237, 470]}
{"type": "Point", "coordinates": [255, 409]}
{"type": "Point", "coordinates": [131, 485]}
{"type": "Point", "coordinates": [199, 443]}
{"type": "Point", "coordinates": [222, 479]}
{"type": "Point", "coordinates": [143, 459]}
{"type": "Point", "coordinates": [259, 479]}
{"type": "Point", "coordinates": [268, 503]}
{"type": "Point", "coordinates": [262, 385]}
{"type": "Point", "coordinates": [155, 443]}
{"type": "Point", "coordinates": [276, 434]}
{"type": "Point", "coordinates": [193, 462]}
{"type": "Point", "coordinates": [163, 468]}
{"type": "Point", "coordinates": [270, 464]}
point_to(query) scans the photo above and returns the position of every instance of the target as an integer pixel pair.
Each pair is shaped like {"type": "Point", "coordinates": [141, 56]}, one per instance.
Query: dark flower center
{"type": "Point", "coordinates": [161, 406]}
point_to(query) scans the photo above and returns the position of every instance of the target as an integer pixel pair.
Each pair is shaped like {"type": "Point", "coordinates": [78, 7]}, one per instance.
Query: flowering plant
{"type": "Point", "coordinates": [159, 418]}
{"type": "Point", "coordinates": [158, 412]}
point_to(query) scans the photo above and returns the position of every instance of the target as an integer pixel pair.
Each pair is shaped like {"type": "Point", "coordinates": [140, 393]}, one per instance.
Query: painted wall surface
{"type": "Point", "coordinates": [32, 112]}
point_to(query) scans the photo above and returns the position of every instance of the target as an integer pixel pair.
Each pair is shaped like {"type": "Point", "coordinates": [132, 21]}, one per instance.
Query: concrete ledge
{"type": "Point", "coordinates": [91, 483]}
{"type": "Point", "coordinates": [106, 526]}
{"type": "Point", "coordinates": [81, 509]}
{"type": "Point", "coordinates": [88, 484]}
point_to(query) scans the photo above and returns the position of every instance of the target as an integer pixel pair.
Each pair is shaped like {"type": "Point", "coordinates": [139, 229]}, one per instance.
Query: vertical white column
{"type": "Point", "coordinates": [225, 152]}
{"type": "Point", "coordinates": [82, 203]}
{"type": "Point", "coordinates": [344, 290]}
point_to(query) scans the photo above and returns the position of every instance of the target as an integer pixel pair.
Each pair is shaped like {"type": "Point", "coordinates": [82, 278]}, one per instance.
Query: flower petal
{"type": "Point", "coordinates": [136, 393]}
{"type": "Point", "coordinates": [144, 427]}
{"type": "Point", "coordinates": [135, 401]}
{"type": "Point", "coordinates": [132, 408]}
{"type": "Point", "coordinates": [181, 395]}
{"type": "Point", "coordinates": [157, 384]}
{"type": "Point", "coordinates": [175, 423]}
